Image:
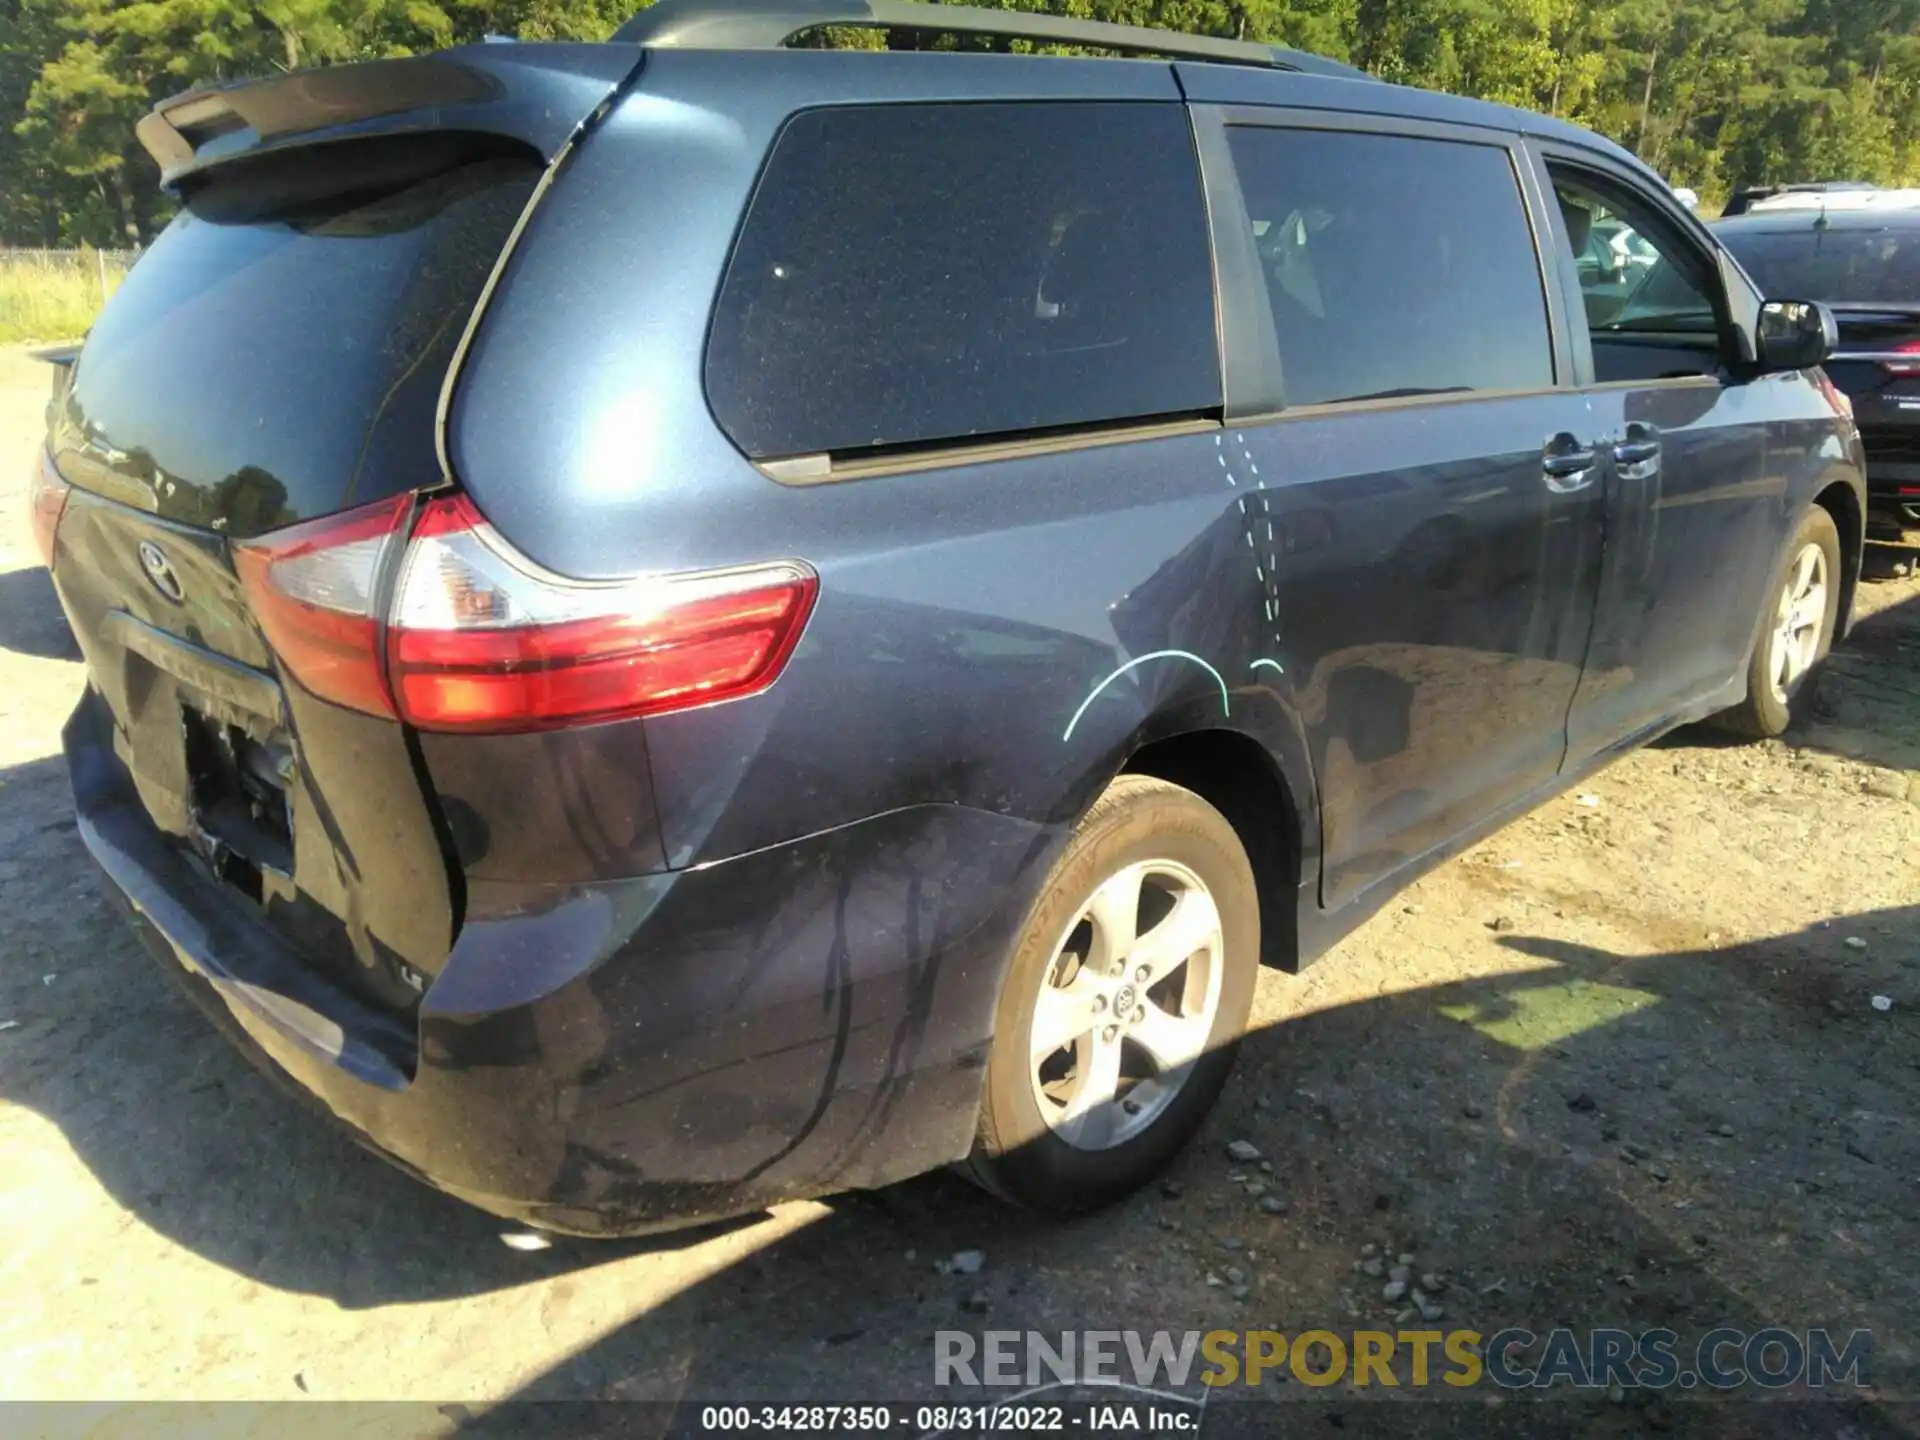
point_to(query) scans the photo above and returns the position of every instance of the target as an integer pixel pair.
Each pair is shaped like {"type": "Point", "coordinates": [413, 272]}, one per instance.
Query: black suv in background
{"type": "Point", "coordinates": [1747, 197]}
{"type": "Point", "coordinates": [1865, 264]}
{"type": "Point", "coordinates": [687, 622]}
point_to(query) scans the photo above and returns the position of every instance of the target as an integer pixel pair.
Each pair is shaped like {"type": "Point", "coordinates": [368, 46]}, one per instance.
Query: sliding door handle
{"type": "Point", "coordinates": [1636, 455]}
{"type": "Point", "coordinates": [1568, 464]}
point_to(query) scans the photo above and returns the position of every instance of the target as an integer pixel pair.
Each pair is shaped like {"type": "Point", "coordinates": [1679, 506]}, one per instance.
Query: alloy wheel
{"type": "Point", "coordinates": [1127, 1004]}
{"type": "Point", "coordinates": [1799, 619]}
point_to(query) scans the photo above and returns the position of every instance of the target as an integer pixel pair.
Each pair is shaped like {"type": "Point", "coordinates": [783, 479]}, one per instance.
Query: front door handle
{"type": "Point", "coordinates": [1568, 464]}
{"type": "Point", "coordinates": [1636, 455]}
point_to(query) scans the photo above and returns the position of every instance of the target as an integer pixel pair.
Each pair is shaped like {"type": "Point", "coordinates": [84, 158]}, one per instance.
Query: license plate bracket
{"type": "Point", "coordinates": [237, 789]}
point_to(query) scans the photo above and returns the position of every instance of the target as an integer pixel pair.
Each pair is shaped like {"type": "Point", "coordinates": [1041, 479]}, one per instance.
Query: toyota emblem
{"type": "Point", "coordinates": [159, 570]}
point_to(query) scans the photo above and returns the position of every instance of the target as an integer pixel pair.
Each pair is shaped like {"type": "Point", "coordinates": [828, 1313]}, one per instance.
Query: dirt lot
{"type": "Point", "coordinates": [1622, 1063]}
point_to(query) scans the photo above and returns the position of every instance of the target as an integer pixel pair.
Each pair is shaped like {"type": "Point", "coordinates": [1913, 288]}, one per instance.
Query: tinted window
{"type": "Point", "coordinates": [278, 352]}
{"type": "Point", "coordinates": [1394, 266]}
{"type": "Point", "coordinates": [1831, 264]}
{"type": "Point", "coordinates": [909, 274]}
{"type": "Point", "coordinates": [1635, 274]}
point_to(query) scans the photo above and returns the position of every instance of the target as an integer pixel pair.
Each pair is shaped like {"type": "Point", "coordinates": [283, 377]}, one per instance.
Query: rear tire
{"type": "Point", "coordinates": [1121, 1014]}
{"type": "Point", "coordinates": [1803, 606]}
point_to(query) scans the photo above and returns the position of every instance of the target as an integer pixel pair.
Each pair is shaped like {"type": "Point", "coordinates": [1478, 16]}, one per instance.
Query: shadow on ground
{"type": "Point", "coordinates": [30, 618]}
{"type": "Point", "coordinates": [1866, 705]}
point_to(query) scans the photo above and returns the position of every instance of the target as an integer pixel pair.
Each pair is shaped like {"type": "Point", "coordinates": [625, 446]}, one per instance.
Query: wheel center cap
{"type": "Point", "coordinates": [1123, 1001]}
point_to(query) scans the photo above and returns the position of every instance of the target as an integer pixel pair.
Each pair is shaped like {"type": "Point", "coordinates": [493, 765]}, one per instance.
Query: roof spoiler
{"type": "Point", "coordinates": [770, 24]}
{"type": "Point", "coordinates": [537, 94]}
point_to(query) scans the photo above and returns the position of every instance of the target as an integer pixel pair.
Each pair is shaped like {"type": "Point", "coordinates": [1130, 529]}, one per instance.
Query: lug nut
{"type": "Point", "coordinates": [1099, 1003]}
{"type": "Point", "coordinates": [1139, 1014]}
{"type": "Point", "coordinates": [1143, 974]}
{"type": "Point", "coordinates": [1132, 1107]}
{"type": "Point", "coordinates": [1112, 1034]}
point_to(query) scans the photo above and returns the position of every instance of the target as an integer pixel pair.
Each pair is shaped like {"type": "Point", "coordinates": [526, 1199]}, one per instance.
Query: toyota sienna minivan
{"type": "Point", "coordinates": [686, 622]}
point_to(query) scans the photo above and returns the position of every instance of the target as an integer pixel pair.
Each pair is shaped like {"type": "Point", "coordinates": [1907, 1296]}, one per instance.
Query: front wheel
{"type": "Point", "coordinates": [1803, 609]}
{"type": "Point", "coordinates": [1121, 1013]}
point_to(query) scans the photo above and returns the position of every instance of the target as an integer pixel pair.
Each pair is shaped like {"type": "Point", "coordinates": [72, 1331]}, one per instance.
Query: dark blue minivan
{"type": "Point", "coordinates": [688, 622]}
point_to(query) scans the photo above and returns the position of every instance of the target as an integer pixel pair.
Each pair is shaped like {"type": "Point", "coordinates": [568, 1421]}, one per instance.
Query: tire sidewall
{"type": "Point", "coordinates": [1133, 822]}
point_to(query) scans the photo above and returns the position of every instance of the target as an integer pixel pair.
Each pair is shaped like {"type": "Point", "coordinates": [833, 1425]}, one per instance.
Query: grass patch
{"type": "Point", "coordinates": [43, 299]}
{"type": "Point", "coordinates": [1535, 1015]}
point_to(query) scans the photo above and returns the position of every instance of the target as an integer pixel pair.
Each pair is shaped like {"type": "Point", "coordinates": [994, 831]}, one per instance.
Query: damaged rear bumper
{"type": "Point", "coordinates": [631, 1055]}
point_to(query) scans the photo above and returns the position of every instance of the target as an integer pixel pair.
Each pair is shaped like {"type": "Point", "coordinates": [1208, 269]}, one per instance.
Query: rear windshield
{"type": "Point", "coordinates": [1840, 266]}
{"type": "Point", "coordinates": [278, 352]}
{"type": "Point", "coordinates": [926, 273]}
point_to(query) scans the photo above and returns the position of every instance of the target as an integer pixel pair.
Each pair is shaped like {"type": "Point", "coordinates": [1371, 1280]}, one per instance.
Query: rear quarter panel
{"type": "Point", "coordinates": [966, 615]}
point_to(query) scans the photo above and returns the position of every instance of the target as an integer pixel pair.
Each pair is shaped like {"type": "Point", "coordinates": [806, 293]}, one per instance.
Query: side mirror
{"type": "Point", "coordinates": [1796, 335]}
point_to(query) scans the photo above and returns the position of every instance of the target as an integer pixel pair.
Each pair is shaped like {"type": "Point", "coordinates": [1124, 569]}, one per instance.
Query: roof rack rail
{"type": "Point", "coordinates": [770, 24]}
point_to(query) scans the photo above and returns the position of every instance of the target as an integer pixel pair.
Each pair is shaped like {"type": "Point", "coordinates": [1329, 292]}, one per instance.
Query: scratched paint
{"type": "Point", "coordinates": [1223, 463]}
{"type": "Point", "coordinates": [1094, 694]}
{"type": "Point", "coordinates": [1266, 567]}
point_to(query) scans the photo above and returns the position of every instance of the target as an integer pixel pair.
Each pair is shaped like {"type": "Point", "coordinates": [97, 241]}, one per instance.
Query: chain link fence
{"type": "Point", "coordinates": [82, 259]}
{"type": "Point", "coordinates": [54, 294]}
{"type": "Point", "coordinates": [105, 267]}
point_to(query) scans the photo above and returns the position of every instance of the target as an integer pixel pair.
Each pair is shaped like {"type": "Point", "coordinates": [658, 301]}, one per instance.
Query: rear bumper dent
{"type": "Point", "coordinates": [623, 1056]}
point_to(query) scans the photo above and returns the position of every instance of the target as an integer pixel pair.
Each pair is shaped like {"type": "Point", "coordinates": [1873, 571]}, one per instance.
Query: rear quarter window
{"type": "Point", "coordinates": [919, 274]}
{"type": "Point", "coordinates": [1395, 266]}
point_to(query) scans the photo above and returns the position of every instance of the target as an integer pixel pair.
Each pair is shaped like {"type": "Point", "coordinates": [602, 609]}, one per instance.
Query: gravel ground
{"type": "Point", "coordinates": [1623, 1063]}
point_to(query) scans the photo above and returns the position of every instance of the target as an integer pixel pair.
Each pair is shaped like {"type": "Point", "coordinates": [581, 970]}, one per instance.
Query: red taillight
{"type": "Point", "coordinates": [483, 639]}
{"type": "Point", "coordinates": [478, 637]}
{"type": "Point", "coordinates": [46, 503]}
{"type": "Point", "coordinates": [314, 589]}
{"type": "Point", "coordinates": [1902, 367]}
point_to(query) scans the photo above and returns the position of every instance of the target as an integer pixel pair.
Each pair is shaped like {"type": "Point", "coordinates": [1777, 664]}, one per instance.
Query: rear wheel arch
{"type": "Point", "coordinates": [1841, 500]}
{"type": "Point", "coordinates": [1239, 777]}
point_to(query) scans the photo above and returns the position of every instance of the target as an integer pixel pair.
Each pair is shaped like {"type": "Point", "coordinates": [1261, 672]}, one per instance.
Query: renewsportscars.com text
{"type": "Point", "coordinates": [1721, 1359]}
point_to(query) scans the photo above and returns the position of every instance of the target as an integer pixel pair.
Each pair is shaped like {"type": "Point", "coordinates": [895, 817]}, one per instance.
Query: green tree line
{"type": "Point", "coordinates": [1713, 93]}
